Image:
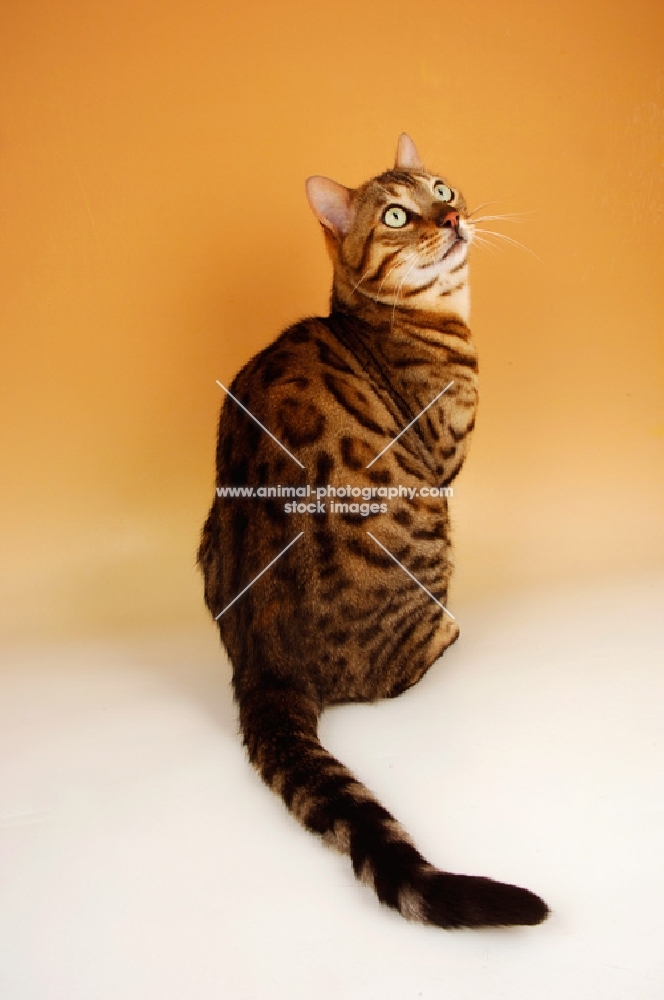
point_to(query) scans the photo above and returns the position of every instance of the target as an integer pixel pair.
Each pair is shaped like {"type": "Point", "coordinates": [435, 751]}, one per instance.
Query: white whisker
{"type": "Point", "coordinates": [481, 242]}
{"type": "Point", "coordinates": [510, 239]}
{"type": "Point", "coordinates": [479, 207]}
{"type": "Point", "coordinates": [355, 287]}
{"type": "Point", "coordinates": [396, 301]}
{"type": "Point", "coordinates": [507, 217]}
{"type": "Point", "coordinates": [394, 267]}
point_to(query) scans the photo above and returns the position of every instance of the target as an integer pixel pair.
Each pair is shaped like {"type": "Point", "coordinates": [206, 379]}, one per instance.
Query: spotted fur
{"type": "Point", "coordinates": [335, 619]}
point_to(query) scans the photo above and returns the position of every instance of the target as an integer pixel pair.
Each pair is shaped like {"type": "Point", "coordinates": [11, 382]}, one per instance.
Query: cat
{"type": "Point", "coordinates": [346, 602]}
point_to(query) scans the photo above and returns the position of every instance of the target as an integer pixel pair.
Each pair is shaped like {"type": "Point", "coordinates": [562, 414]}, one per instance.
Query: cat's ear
{"type": "Point", "coordinates": [331, 204]}
{"type": "Point", "coordinates": [407, 157]}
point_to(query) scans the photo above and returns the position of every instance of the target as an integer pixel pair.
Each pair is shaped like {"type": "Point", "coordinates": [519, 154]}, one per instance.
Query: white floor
{"type": "Point", "coordinates": [141, 858]}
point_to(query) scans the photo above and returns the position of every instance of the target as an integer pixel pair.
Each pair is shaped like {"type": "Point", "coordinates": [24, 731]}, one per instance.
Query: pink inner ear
{"type": "Point", "coordinates": [407, 156]}
{"type": "Point", "coordinates": [331, 204]}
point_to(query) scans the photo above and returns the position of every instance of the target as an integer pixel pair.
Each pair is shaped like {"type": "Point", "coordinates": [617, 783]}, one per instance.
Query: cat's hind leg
{"type": "Point", "coordinates": [418, 665]}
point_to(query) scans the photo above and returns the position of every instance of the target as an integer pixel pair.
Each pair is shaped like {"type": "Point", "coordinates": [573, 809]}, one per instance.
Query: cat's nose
{"type": "Point", "coordinates": [449, 220]}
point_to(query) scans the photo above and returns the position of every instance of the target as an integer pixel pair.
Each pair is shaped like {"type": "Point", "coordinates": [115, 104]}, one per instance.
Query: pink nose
{"type": "Point", "coordinates": [450, 220]}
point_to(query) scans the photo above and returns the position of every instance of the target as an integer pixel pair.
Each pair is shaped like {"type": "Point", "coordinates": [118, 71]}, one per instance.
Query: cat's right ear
{"type": "Point", "coordinates": [331, 204]}
{"type": "Point", "coordinates": [407, 157]}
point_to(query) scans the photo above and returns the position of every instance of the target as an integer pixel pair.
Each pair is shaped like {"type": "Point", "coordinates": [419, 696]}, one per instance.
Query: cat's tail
{"type": "Point", "coordinates": [280, 731]}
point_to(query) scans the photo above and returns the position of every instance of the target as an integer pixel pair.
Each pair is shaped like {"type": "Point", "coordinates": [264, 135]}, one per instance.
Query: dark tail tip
{"type": "Point", "coordinates": [470, 901]}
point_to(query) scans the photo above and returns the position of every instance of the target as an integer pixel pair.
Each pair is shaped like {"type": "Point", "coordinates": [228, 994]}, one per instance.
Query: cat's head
{"type": "Point", "coordinates": [400, 240]}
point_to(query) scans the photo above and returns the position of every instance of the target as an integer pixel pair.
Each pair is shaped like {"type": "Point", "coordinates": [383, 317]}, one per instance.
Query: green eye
{"type": "Point", "coordinates": [395, 216]}
{"type": "Point", "coordinates": [443, 191]}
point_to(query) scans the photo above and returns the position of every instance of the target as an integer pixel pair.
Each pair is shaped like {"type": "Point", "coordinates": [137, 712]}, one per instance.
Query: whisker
{"type": "Point", "coordinates": [507, 217]}
{"type": "Point", "coordinates": [396, 301]}
{"type": "Point", "coordinates": [510, 239]}
{"type": "Point", "coordinates": [483, 205]}
{"type": "Point", "coordinates": [480, 241]}
{"type": "Point", "coordinates": [394, 267]}
{"type": "Point", "coordinates": [355, 287]}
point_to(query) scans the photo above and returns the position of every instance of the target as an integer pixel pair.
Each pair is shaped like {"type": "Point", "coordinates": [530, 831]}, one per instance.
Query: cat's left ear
{"type": "Point", "coordinates": [407, 157]}
{"type": "Point", "coordinates": [331, 204]}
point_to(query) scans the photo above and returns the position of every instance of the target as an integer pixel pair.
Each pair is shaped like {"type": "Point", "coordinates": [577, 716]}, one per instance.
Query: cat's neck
{"type": "Point", "coordinates": [383, 322]}
{"type": "Point", "coordinates": [447, 299]}
{"type": "Point", "coordinates": [411, 349]}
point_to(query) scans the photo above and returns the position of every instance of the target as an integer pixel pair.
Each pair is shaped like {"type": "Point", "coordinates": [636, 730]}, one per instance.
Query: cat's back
{"type": "Point", "coordinates": [310, 390]}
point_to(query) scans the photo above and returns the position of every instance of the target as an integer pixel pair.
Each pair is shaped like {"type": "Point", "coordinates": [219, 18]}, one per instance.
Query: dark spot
{"type": "Point", "coordinates": [275, 367]}
{"type": "Point", "coordinates": [336, 588]}
{"type": "Point", "coordinates": [299, 334]}
{"type": "Point", "coordinates": [324, 466]}
{"type": "Point", "coordinates": [263, 472]}
{"type": "Point", "coordinates": [466, 360]}
{"type": "Point", "coordinates": [299, 422]}
{"type": "Point", "coordinates": [238, 471]}
{"type": "Point", "coordinates": [437, 531]}
{"type": "Point", "coordinates": [326, 544]}
{"type": "Point", "coordinates": [422, 562]}
{"type": "Point", "coordinates": [381, 476]}
{"type": "Point", "coordinates": [331, 358]}
{"type": "Point", "coordinates": [353, 400]}
{"type": "Point", "coordinates": [353, 518]}
{"type": "Point", "coordinates": [348, 455]}
{"type": "Point", "coordinates": [339, 637]}
{"type": "Point", "coordinates": [372, 632]}
{"type": "Point", "coordinates": [274, 509]}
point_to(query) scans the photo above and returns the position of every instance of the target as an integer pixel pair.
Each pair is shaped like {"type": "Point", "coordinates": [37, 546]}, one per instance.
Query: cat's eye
{"type": "Point", "coordinates": [442, 190]}
{"type": "Point", "coordinates": [395, 216]}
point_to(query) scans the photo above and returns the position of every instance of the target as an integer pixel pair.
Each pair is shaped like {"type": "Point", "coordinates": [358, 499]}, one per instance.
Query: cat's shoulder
{"type": "Point", "coordinates": [298, 353]}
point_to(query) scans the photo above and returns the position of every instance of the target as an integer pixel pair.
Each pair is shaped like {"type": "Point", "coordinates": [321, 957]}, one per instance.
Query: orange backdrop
{"type": "Point", "coordinates": [155, 234]}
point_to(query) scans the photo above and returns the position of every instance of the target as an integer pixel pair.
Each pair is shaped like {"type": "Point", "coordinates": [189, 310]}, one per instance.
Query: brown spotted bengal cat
{"type": "Point", "coordinates": [335, 618]}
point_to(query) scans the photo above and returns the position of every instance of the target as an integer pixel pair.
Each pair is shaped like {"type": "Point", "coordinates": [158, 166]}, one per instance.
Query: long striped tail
{"type": "Point", "coordinates": [280, 731]}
